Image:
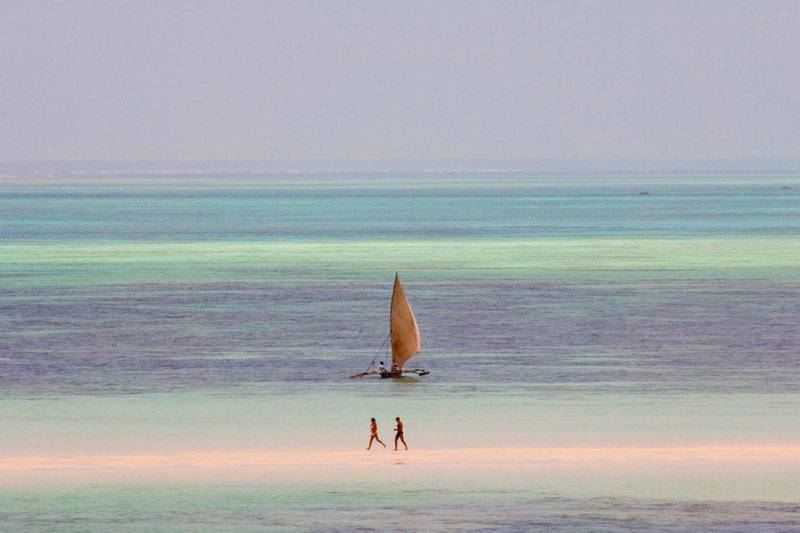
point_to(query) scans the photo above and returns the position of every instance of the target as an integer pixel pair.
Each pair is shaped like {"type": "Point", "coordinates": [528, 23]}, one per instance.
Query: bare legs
{"type": "Point", "coordinates": [399, 436]}
{"type": "Point", "coordinates": [374, 436]}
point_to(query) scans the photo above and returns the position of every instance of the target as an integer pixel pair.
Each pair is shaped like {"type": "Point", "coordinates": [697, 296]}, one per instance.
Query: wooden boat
{"type": "Point", "coordinates": [404, 335]}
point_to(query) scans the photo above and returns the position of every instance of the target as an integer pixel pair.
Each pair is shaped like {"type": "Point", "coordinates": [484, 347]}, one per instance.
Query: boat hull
{"type": "Point", "coordinates": [397, 375]}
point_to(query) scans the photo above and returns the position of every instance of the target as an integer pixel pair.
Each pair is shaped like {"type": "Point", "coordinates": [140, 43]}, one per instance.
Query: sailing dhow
{"type": "Point", "coordinates": [404, 335]}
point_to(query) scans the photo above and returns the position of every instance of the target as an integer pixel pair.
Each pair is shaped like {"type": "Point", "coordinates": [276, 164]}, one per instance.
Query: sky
{"type": "Point", "coordinates": [372, 80]}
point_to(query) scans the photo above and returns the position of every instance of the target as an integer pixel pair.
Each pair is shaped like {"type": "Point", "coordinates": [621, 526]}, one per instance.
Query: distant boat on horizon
{"type": "Point", "coordinates": [404, 336]}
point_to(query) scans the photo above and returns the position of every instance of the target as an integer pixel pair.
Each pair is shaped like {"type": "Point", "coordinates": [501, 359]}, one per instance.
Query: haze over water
{"type": "Point", "coordinates": [152, 315]}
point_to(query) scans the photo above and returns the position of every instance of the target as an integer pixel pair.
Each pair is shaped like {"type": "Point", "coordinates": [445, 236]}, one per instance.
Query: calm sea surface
{"type": "Point", "coordinates": [156, 314]}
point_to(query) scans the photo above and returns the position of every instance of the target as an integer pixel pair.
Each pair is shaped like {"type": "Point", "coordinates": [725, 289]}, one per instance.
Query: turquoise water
{"type": "Point", "coordinates": [156, 315]}
{"type": "Point", "coordinates": [396, 503]}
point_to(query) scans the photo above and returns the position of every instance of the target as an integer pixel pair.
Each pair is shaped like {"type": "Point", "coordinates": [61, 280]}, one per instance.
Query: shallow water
{"type": "Point", "coordinates": [225, 312]}
{"type": "Point", "coordinates": [395, 504]}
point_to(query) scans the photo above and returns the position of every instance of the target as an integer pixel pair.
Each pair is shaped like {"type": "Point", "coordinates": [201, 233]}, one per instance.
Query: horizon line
{"type": "Point", "coordinates": [707, 164]}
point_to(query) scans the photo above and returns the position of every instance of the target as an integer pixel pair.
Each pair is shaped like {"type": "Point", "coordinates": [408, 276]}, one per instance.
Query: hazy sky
{"type": "Point", "coordinates": [260, 80]}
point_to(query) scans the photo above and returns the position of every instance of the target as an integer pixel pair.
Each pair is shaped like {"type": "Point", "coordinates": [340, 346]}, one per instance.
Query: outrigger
{"type": "Point", "coordinates": [404, 334]}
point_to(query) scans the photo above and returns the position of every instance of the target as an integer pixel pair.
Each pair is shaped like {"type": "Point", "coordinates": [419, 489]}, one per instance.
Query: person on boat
{"type": "Point", "coordinates": [381, 370]}
{"type": "Point", "coordinates": [373, 427]}
{"type": "Point", "coordinates": [399, 434]}
{"type": "Point", "coordinates": [395, 369]}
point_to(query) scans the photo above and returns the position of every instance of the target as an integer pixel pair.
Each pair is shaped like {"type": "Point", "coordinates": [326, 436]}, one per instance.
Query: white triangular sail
{"type": "Point", "coordinates": [403, 327]}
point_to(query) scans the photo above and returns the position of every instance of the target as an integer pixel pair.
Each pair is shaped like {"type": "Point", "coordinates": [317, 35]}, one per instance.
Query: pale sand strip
{"type": "Point", "coordinates": [466, 457]}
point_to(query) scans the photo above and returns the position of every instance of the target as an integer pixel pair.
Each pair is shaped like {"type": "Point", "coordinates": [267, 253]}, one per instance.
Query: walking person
{"type": "Point", "coordinates": [399, 434]}
{"type": "Point", "coordinates": [373, 427]}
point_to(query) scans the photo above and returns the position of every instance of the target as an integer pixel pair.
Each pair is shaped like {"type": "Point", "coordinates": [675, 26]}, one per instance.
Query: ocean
{"type": "Point", "coordinates": [601, 359]}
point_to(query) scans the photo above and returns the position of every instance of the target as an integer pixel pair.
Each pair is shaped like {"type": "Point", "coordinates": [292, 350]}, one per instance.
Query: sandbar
{"type": "Point", "coordinates": [473, 457]}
